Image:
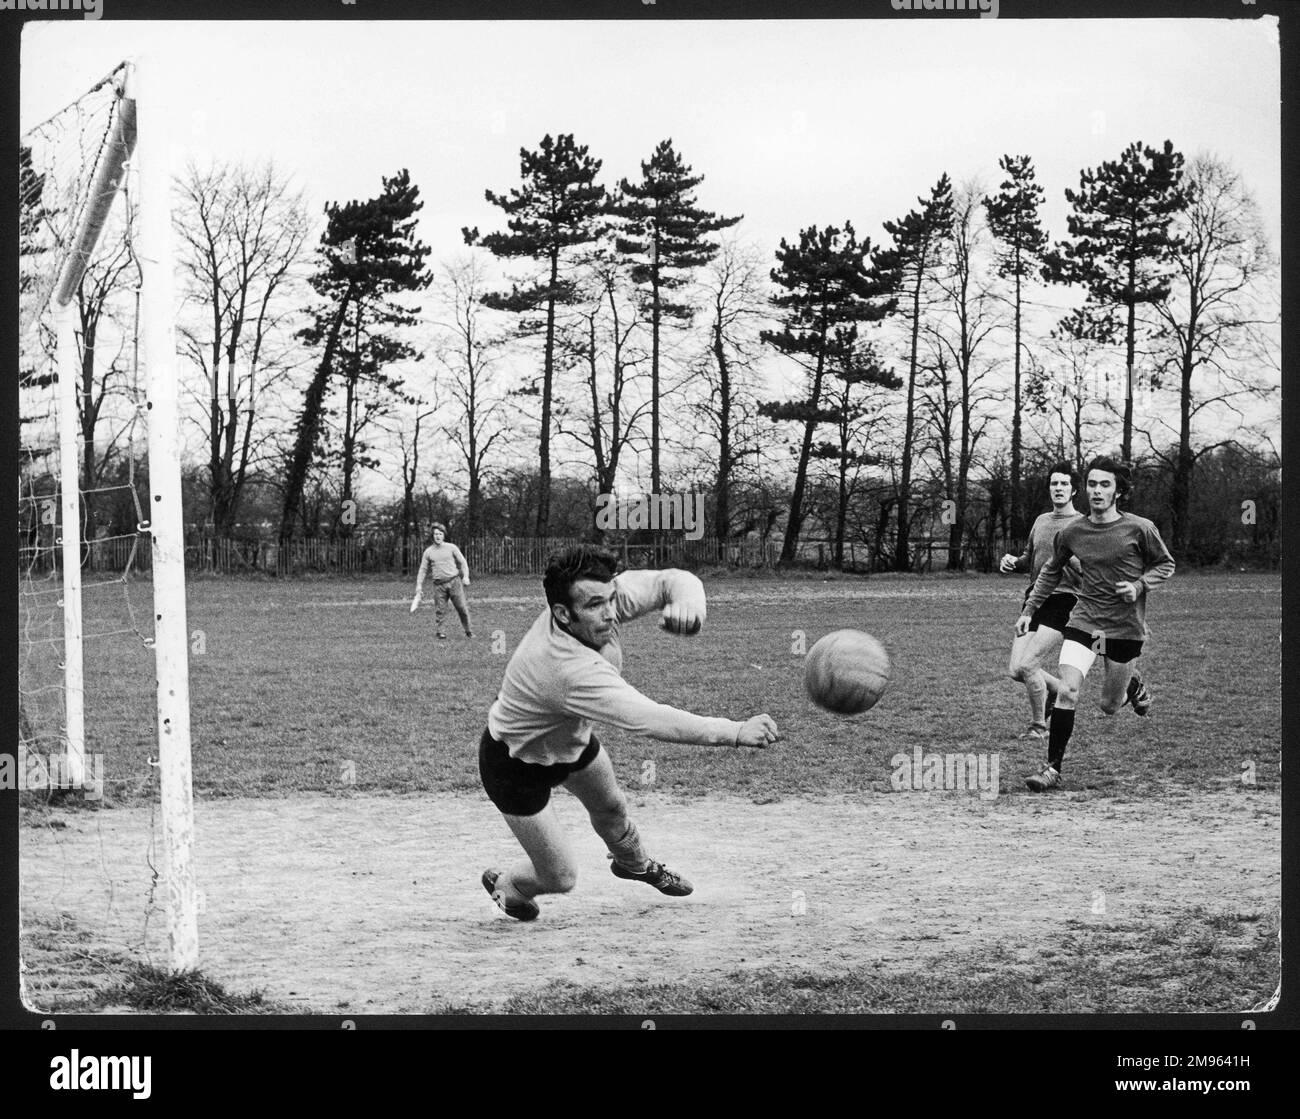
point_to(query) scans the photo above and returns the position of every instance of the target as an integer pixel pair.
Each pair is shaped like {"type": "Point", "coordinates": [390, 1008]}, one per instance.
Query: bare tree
{"type": "Point", "coordinates": [242, 234]}
{"type": "Point", "coordinates": [734, 289]}
{"type": "Point", "coordinates": [955, 392]}
{"type": "Point", "coordinates": [1067, 388]}
{"type": "Point", "coordinates": [106, 313]}
{"type": "Point", "coordinates": [1214, 337]}
{"type": "Point", "coordinates": [468, 352]}
{"type": "Point", "coordinates": [600, 342]}
{"type": "Point", "coordinates": [409, 447]}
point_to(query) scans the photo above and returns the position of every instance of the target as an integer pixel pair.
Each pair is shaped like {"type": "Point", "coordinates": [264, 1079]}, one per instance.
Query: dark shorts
{"type": "Point", "coordinates": [1054, 613]}
{"type": "Point", "coordinates": [1121, 650]}
{"type": "Point", "coordinates": [524, 788]}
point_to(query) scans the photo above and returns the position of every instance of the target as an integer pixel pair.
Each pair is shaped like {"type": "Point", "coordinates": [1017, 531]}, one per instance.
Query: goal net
{"type": "Point", "coordinates": [103, 666]}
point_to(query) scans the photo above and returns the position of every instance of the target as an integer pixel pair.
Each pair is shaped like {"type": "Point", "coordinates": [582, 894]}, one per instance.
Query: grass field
{"type": "Point", "coordinates": [331, 689]}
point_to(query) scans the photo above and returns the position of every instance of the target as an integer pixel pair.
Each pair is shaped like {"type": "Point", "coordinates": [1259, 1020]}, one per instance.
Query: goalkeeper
{"type": "Point", "coordinates": [564, 675]}
{"type": "Point", "coordinates": [445, 564]}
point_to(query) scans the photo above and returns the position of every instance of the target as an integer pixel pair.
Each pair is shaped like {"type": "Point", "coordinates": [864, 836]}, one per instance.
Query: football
{"type": "Point", "coordinates": [847, 672]}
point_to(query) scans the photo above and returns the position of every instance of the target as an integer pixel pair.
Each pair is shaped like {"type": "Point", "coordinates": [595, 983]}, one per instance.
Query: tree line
{"type": "Point", "coordinates": [877, 392]}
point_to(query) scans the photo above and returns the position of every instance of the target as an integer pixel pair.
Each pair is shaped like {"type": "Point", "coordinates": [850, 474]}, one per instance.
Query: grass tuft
{"type": "Point", "coordinates": [151, 989]}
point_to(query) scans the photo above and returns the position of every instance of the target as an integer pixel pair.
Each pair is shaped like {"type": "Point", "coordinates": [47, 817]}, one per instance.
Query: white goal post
{"type": "Point", "coordinates": [138, 132]}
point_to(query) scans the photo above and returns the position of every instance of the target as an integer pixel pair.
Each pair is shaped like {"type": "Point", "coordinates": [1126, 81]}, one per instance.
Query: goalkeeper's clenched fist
{"type": "Point", "coordinates": [684, 617]}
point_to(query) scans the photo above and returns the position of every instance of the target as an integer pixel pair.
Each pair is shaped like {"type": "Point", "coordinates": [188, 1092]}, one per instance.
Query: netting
{"type": "Point", "coordinates": [79, 284]}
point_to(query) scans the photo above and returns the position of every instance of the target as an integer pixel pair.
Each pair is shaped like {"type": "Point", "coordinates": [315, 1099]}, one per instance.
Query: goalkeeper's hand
{"type": "Point", "coordinates": [684, 617]}
{"type": "Point", "coordinates": [759, 732]}
{"type": "Point", "coordinates": [415, 602]}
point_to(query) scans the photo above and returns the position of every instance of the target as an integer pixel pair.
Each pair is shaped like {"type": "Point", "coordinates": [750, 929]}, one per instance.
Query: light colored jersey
{"type": "Point", "coordinates": [1042, 539]}
{"type": "Point", "coordinates": [442, 562]}
{"type": "Point", "coordinates": [555, 687]}
{"type": "Point", "coordinates": [1126, 550]}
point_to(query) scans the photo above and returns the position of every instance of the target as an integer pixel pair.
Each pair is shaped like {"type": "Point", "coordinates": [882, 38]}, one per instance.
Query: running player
{"type": "Point", "coordinates": [1033, 651]}
{"type": "Point", "coordinates": [565, 674]}
{"type": "Point", "coordinates": [1121, 558]}
{"type": "Point", "coordinates": [450, 572]}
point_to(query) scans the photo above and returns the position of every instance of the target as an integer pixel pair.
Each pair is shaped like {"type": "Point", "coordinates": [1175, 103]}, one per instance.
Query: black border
{"type": "Point", "coordinates": [1023, 1066]}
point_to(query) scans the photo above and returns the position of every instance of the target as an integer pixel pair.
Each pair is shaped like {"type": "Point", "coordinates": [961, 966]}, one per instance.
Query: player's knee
{"type": "Point", "coordinates": [558, 880]}
{"type": "Point", "coordinates": [1067, 696]}
{"type": "Point", "coordinates": [1110, 706]}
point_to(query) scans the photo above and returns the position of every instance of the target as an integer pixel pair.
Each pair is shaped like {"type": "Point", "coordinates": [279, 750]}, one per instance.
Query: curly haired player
{"type": "Point", "coordinates": [564, 675]}
{"type": "Point", "coordinates": [1121, 557]}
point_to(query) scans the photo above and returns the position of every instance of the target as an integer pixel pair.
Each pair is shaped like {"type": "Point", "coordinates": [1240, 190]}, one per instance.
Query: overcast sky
{"type": "Point", "coordinates": [792, 123]}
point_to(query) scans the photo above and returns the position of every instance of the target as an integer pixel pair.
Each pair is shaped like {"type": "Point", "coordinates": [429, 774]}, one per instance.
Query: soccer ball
{"type": "Point", "coordinates": [847, 672]}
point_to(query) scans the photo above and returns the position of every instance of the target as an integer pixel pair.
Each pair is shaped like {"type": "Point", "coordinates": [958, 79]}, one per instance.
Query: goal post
{"type": "Point", "coordinates": [70, 521]}
{"type": "Point", "coordinates": [165, 519]}
{"type": "Point", "coordinates": [72, 170]}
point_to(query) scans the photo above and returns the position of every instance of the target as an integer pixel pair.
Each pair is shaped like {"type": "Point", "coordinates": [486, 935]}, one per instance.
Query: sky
{"type": "Point", "coordinates": [791, 123]}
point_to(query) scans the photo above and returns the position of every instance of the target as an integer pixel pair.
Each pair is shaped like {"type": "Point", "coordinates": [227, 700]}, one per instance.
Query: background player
{"type": "Point", "coordinates": [565, 674]}
{"type": "Point", "coordinates": [1033, 651]}
{"type": "Point", "coordinates": [450, 573]}
{"type": "Point", "coordinates": [1121, 557]}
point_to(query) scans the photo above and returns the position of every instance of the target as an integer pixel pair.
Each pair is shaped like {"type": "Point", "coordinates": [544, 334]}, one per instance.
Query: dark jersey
{"type": "Point", "coordinates": [1039, 548]}
{"type": "Point", "coordinates": [1125, 550]}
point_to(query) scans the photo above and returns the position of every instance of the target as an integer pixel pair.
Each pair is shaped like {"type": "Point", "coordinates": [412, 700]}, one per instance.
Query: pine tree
{"type": "Point", "coordinates": [852, 412]}
{"type": "Point", "coordinates": [1122, 246]}
{"type": "Point", "coordinates": [660, 224]}
{"type": "Point", "coordinates": [919, 239]}
{"type": "Point", "coordinates": [1013, 219]}
{"type": "Point", "coordinates": [828, 287]}
{"type": "Point", "coordinates": [370, 254]}
{"type": "Point", "coordinates": [558, 207]}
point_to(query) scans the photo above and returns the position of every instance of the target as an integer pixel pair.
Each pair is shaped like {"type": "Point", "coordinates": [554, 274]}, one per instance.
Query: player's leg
{"type": "Point", "coordinates": [550, 867]}
{"type": "Point", "coordinates": [1076, 659]}
{"type": "Point", "coordinates": [1136, 693]}
{"type": "Point", "coordinates": [440, 596]}
{"type": "Point", "coordinates": [456, 592]}
{"type": "Point", "coordinates": [596, 786]}
{"type": "Point", "coordinates": [1122, 683]}
{"type": "Point", "coordinates": [1030, 656]}
{"type": "Point", "coordinates": [521, 791]}
{"type": "Point", "coordinates": [1021, 668]}
{"type": "Point", "coordinates": [1053, 618]}
{"type": "Point", "coordinates": [1047, 652]}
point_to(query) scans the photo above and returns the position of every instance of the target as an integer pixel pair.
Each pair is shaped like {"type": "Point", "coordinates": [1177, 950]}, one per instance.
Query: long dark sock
{"type": "Point", "coordinates": [1058, 734]}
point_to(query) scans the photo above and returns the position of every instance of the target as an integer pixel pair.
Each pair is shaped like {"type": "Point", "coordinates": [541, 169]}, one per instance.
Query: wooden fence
{"type": "Point", "coordinates": [383, 554]}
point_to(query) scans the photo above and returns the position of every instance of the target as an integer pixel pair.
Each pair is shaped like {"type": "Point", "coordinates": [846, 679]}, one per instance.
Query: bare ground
{"type": "Point", "coordinates": [372, 904]}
